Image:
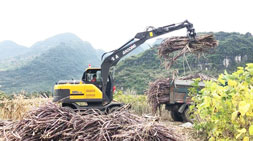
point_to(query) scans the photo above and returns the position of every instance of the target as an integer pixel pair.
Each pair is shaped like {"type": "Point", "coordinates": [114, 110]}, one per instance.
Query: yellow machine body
{"type": "Point", "coordinates": [81, 91]}
{"type": "Point", "coordinates": [70, 91]}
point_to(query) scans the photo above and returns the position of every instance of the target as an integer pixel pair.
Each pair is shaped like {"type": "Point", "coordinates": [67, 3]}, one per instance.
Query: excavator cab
{"type": "Point", "coordinates": [93, 76]}
{"type": "Point", "coordinates": [88, 78]}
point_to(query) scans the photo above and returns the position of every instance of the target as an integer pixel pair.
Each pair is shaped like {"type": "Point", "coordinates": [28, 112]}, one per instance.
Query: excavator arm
{"type": "Point", "coordinates": [135, 42]}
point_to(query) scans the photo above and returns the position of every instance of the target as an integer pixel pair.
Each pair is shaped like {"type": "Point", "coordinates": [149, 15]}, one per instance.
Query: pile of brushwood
{"type": "Point", "coordinates": [52, 122]}
{"type": "Point", "coordinates": [158, 91]}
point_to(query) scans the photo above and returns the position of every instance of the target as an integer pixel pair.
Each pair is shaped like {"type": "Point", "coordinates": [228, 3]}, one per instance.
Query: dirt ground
{"type": "Point", "coordinates": [187, 132]}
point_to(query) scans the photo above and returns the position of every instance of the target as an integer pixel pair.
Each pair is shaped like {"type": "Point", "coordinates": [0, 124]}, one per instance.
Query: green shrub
{"type": "Point", "coordinates": [225, 107]}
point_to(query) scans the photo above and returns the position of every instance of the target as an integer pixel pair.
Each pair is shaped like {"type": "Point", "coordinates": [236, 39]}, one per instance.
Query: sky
{"type": "Point", "coordinates": [108, 24]}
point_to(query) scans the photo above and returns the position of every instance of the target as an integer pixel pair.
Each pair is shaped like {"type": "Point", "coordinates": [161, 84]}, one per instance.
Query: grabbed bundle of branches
{"type": "Point", "coordinates": [56, 123]}
{"type": "Point", "coordinates": [183, 45]}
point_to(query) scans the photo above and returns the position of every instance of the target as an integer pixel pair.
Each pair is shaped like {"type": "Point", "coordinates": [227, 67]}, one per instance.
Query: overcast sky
{"type": "Point", "coordinates": [107, 24]}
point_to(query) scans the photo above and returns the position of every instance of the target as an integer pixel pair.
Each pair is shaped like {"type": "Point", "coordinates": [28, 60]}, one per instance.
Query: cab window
{"type": "Point", "coordinates": [93, 76]}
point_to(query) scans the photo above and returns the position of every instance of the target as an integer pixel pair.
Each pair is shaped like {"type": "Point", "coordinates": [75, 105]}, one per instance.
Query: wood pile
{"type": "Point", "coordinates": [52, 122]}
{"type": "Point", "coordinates": [158, 93]}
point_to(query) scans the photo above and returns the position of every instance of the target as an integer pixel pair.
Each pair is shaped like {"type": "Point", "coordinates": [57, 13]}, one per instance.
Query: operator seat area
{"type": "Point", "coordinates": [93, 76]}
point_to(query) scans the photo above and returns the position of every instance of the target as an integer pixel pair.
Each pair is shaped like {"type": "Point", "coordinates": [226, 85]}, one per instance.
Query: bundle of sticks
{"type": "Point", "coordinates": [159, 91]}
{"type": "Point", "coordinates": [51, 122]}
{"type": "Point", "coordinates": [183, 45]}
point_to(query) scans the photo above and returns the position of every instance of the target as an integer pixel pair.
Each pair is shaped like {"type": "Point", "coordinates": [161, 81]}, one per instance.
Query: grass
{"type": "Point", "coordinates": [139, 105]}
{"type": "Point", "coordinates": [18, 106]}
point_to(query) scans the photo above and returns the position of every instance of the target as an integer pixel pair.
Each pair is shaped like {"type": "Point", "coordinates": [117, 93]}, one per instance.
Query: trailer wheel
{"type": "Point", "coordinates": [187, 115]}
{"type": "Point", "coordinates": [175, 115]}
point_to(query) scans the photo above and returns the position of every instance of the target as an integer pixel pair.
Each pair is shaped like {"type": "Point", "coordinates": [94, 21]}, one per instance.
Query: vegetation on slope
{"type": "Point", "coordinates": [59, 63]}
{"type": "Point", "coordinates": [10, 49]}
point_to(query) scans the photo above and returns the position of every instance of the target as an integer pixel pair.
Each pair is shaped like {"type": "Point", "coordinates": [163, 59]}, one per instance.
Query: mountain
{"type": "Point", "coordinates": [64, 38]}
{"type": "Point", "coordinates": [10, 49]}
{"type": "Point", "coordinates": [68, 39]}
{"type": "Point", "coordinates": [136, 72]}
{"type": "Point", "coordinates": [58, 58]}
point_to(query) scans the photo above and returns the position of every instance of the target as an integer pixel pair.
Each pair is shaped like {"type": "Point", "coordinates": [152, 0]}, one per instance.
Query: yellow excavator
{"type": "Point", "coordinates": [96, 86]}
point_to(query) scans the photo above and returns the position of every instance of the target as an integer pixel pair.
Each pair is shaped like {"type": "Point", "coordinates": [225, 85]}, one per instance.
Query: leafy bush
{"type": "Point", "coordinates": [226, 106]}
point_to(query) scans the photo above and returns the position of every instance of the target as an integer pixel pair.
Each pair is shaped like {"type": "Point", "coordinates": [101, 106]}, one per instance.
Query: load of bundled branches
{"type": "Point", "coordinates": [183, 45]}
{"type": "Point", "coordinates": [56, 123]}
{"type": "Point", "coordinates": [159, 91]}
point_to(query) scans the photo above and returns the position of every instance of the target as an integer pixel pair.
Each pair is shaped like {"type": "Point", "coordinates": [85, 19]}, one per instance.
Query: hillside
{"type": "Point", "coordinates": [234, 50]}
{"type": "Point", "coordinates": [66, 59]}
{"type": "Point", "coordinates": [10, 49]}
{"type": "Point", "coordinates": [22, 59]}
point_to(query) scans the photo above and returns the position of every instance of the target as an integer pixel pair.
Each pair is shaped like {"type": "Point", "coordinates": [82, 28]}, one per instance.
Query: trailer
{"type": "Point", "coordinates": [179, 100]}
